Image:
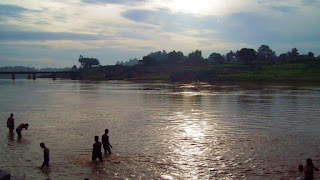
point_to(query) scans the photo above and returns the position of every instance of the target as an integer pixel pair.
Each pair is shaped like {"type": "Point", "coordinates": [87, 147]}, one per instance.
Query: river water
{"type": "Point", "coordinates": [160, 130]}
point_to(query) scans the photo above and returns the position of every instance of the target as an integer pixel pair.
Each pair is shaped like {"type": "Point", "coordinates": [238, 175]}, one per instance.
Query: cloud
{"type": "Point", "coordinates": [12, 11]}
{"type": "Point", "coordinates": [234, 27]}
{"type": "Point", "coordinates": [41, 36]}
{"type": "Point", "coordinates": [242, 27]}
{"type": "Point", "coordinates": [165, 19]}
{"type": "Point", "coordinates": [41, 60]}
{"type": "Point", "coordinates": [286, 9]}
{"type": "Point", "coordinates": [311, 2]}
{"type": "Point", "coordinates": [112, 30]}
{"type": "Point", "coordinates": [128, 2]}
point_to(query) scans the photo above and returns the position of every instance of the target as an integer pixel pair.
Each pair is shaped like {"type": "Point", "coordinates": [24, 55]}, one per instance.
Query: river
{"type": "Point", "coordinates": [160, 130]}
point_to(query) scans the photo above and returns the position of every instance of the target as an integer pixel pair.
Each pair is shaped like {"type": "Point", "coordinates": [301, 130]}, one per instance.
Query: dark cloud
{"type": "Point", "coordinates": [41, 36]}
{"type": "Point", "coordinates": [114, 1]}
{"type": "Point", "coordinates": [11, 11]}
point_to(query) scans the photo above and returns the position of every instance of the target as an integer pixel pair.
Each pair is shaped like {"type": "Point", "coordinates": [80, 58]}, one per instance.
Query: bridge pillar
{"type": "Point", "coordinates": [54, 77]}
{"type": "Point", "coordinates": [13, 76]}
{"type": "Point", "coordinates": [34, 76]}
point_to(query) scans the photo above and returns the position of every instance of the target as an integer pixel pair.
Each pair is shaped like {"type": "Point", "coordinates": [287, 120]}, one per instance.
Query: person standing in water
{"type": "Point", "coordinates": [96, 151]}
{"type": "Point", "coordinates": [46, 158]}
{"type": "Point", "coordinates": [105, 142]}
{"type": "Point", "coordinates": [308, 170]}
{"type": "Point", "coordinates": [10, 123]}
{"type": "Point", "coordinates": [20, 128]}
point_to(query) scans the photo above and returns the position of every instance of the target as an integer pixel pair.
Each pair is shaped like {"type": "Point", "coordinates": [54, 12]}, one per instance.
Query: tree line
{"type": "Point", "coordinates": [264, 54]}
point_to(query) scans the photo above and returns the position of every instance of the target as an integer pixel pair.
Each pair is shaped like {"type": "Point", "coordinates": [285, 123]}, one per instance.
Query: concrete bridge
{"type": "Point", "coordinates": [34, 74]}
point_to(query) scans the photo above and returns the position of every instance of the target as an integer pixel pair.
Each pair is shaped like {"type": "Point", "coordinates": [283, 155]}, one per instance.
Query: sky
{"type": "Point", "coordinates": [54, 33]}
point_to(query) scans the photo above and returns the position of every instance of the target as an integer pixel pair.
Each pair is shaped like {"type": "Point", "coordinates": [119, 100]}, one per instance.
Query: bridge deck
{"type": "Point", "coordinates": [37, 72]}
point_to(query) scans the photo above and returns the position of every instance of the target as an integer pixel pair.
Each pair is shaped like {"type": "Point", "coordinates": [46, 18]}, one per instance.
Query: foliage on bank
{"type": "Point", "coordinates": [243, 65]}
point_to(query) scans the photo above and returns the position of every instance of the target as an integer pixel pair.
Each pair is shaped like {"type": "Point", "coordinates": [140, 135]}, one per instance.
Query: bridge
{"type": "Point", "coordinates": [34, 74]}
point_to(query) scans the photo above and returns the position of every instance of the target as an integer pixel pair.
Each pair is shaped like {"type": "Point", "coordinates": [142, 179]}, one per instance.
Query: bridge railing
{"type": "Point", "coordinates": [34, 74]}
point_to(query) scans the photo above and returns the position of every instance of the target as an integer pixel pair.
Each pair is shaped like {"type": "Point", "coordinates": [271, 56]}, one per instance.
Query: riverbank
{"type": "Point", "coordinates": [232, 72]}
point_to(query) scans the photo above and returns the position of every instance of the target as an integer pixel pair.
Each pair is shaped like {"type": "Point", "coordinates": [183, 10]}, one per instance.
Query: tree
{"type": "Point", "coordinates": [293, 53]}
{"type": "Point", "coordinates": [74, 67]}
{"type": "Point", "coordinates": [265, 54]}
{"type": "Point", "coordinates": [247, 55]}
{"type": "Point", "coordinates": [88, 62]}
{"type": "Point", "coordinates": [159, 56]}
{"type": "Point", "coordinates": [230, 56]}
{"type": "Point", "coordinates": [148, 60]}
{"type": "Point", "coordinates": [216, 58]}
{"type": "Point", "coordinates": [195, 57]}
{"type": "Point", "coordinates": [175, 57]}
{"type": "Point", "coordinates": [311, 54]}
{"type": "Point", "coordinates": [283, 57]}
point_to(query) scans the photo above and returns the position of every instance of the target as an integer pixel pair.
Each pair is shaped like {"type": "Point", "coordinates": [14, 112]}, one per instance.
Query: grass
{"type": "Point", "coordinates": [157, 77]}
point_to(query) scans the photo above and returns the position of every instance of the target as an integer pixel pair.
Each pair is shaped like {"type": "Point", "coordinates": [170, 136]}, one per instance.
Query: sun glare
{"type": "Point", "coordinates": [198, 7]}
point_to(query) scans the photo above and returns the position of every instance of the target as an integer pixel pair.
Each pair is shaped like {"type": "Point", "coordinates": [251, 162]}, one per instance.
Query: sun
{"type": "Point", "coordinates": [198, 7]}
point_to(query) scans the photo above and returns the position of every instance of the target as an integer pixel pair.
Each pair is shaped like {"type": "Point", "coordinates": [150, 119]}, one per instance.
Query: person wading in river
{"type": "Point", "coordinates": [308, 170]}
{"type": "Point", "coordinates": [20, 128]}
{"type": "Point", "coordinates": [46, 158]}
{"type": "Point", "coordinates": [10, 123]}
{"type": "Point", "coordinates": [105, 142]}
{"type": "Point", "coordinates": [96, 151]}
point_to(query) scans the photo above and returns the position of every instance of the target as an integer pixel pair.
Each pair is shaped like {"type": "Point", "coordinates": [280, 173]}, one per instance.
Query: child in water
{"type": "Point", "coordinates": [46, 158]}
{"type": "Point", "coordinates": [20, 128]}
{"type": "Point", "coordinates": [105, 142]}
{"type": "Point", "coordinates": [96, 151]}
{"type": "Point", "coordinates": [10, 123]}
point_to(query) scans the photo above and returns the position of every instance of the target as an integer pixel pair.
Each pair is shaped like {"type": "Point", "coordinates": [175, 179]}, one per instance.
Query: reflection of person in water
{"type": "Point", "coordinates": [10, 123]}
{"type": "Point", "coordinates": [96, 152]}
{"type": "Point", "coordinates": [20, 128]}
{"type": "Point", "coordinates": [308, 169]}
{"type": "Point", "coordinates": [300, 167]}
{"type": "Point", "coordinates": [10, 136]}
{"type": "Point", "coordinates": [105, 142]}
{"type": "Point", "coordinates": [46, 158]}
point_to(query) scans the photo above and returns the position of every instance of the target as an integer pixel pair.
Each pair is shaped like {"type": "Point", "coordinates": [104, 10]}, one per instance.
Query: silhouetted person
{"type": "Point", "coordinates": [105, 142]}
{"type": "Point", "coordinates": [308, 170]}
{"type": "Point", "coordinates": [96, 152]}
{"type": "Point", "coordinates": [46, 158]}
{"type": "Point", "coordinates": [10, 123]}
{"type": "Point", "coordinates": [20, 128]}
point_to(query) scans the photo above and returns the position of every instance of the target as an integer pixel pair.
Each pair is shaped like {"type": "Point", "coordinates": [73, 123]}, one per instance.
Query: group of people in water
{"type": "Point", "coordinates": [96, 152]}
{"type": "Point", "coordinates": [308, 169]}
{"type": "Point", "coordinates": [10, 125]}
